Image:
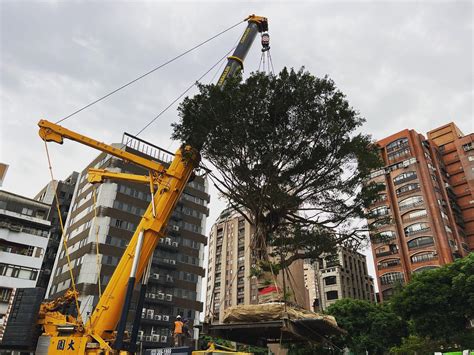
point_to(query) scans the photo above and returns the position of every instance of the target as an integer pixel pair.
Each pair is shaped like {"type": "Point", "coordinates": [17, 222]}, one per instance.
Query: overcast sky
{"type": "Point", "coordinates": [402, 64]}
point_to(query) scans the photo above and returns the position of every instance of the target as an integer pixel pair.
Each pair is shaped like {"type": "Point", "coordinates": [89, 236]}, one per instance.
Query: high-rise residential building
{"type": "Point", "coordinates": [174, 285]}
{"type": "Point", "coordinates": [64, 190]}
{"type": "Point", "coordinates": [24, 230]}
{"type": "Point", "coordinates": [415, 222]}
{"type": "Point", "coordinates": [457, 154]}
{"type": "Point", "coordinates": [340, 275]}
{"type": "Point", "coordinates": [229, 278]}
{"type": "Point", "coordinates": [310, 282]}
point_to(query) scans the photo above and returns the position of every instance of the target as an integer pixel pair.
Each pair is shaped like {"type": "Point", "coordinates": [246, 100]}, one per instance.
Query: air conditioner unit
{"type": "Point", "coordinates": [143, 312]}
{"type": "Point", "coordinates": [165, 317]}
{"type": "Point", "coordinates": [169, 278]}
{"type": "Point", "coordinates": [15, 227]}
{"type": "Point", "coordinates": [164, 339]}
{"type": "Point", "coordinates": [152, 295]}
{"type": "Point", "coordinates": [157, 316]}
{"type": "Point", "coordinates": [161, 296]}
{"type": "Point", "coordinates": [149, 313]}
{"type": "Point", "coordinates": [176, 228]}
{"type": "Point", "coordinates": [140, 337]}
{"type": "Point", "coordinates": [156, 276]}
{"type": "Point", "coordinates": [140, 333]}
{"type": "Point", "coordinates": [155, 337]}
{"type": "Point", "coordinates": [172, 262]}
{"type": "Point", "coordinates": [169, 297]}
{"type": "Point", "coordinates": [148, 338]}
{"type": "Point", "coordinates": [166, 260]}
{"type": "Point", "coordinates": [168, 241]}
{"type": "Point", "coordinates": [175, 244]}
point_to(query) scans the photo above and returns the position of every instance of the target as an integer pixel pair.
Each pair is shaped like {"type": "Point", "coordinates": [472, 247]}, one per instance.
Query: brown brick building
{"type": "Point", "coordinates": [457, 153]}
{"type": "Point", "coordinates": [417, 223]}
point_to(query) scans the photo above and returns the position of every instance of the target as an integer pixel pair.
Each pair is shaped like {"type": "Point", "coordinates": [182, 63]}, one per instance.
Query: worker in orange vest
{"type": "Point", "coordinates": [178, 331]}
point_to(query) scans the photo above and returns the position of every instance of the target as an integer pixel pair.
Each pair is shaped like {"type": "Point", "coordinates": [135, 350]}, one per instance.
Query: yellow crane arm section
{"type": "Point", "coordinates": [51, 132]}
{"type": "Point", "coordinates": [170, 183]}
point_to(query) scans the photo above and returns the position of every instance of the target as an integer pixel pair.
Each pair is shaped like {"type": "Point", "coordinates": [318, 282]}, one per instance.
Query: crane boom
{"type": "Point", "coordinates": [167, 184]}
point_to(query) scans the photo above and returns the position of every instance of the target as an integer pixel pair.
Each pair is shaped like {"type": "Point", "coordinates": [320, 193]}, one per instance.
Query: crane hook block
{"type": "Point", "coordinates": [265, 42]}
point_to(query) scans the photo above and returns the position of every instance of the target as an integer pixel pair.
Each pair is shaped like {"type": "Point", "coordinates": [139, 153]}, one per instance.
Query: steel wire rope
{"type": "Point", "coordinates": [150, 72]}
{"type": "Point", "coordinates": [181, 95]}
{"type": "Point", "coordinates": [99, 265]}
{"type": "Point", "coordinates": [63, 238]}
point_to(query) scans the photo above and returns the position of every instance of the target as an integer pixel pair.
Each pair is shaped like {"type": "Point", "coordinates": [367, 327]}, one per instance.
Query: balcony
{"type": "Point", "coordinates": [163, 262]}
{"type": "Point", "coordinates": [410, 206]}
{"type": "Point", "coordinates": [408, 192]}
{"type": "Point", "coordinates": [416, 232]}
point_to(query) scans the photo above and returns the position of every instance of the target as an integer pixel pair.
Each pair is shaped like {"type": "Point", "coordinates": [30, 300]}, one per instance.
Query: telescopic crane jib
{"type": "Point", "coordinates": [103, 333]}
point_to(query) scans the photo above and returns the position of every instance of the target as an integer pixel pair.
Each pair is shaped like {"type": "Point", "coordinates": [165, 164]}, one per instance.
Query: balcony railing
{"type": "Point", "coordinates": [410, 205]}
{"type": "Point", "coordinates": [418, 231]}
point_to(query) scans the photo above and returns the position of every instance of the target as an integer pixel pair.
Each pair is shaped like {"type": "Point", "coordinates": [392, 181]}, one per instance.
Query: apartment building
{"type": "Point", "coordinates": [24, 230]}
{"type": "Point", "coordinates": [310, 282]}
{"type": "Point", "coordinates": [340, 275]}
{"type": "Point", "coordinates": [174, 285]}
{"type": "Point", "coordinates": [229, 280]}
{"type": "Point", "coordinates": [64, 190]}
{"type": "Point", "coordinates": [416, 222]}
{"type": "Point", "coordinates": [457, 154]}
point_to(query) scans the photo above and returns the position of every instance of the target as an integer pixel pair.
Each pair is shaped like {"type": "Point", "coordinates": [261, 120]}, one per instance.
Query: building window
{"type": "Point", "coordinates": [398, 144]}
{"type": "Point", "coordinates": [410, 202]}
{"type": "Point", "coordinates": [381, 222]}
{"type": "Point", "coordinates": [423, 256]}
{"type": "Point", "coordinates": [387, 263]}
{"type": "Point", "coordinates": [424, 268]}
{"type": "Point", "coordinates": [332, 295]}
{"type": "Point", "coordinates": [386, 294]}
{"type": "Point", "coordinates": [398, 154]}
{"type": "Point", "coordinates": [27, 211]}
{"type": "Point", "coordinates": [376, 173]}
{"type": "Point", "coordinates": [386, 250]}
{"type": "Point", "coordinates": [330, 280]}
{"type": "Point", "coordinates": [420, 242]}
{"type": "Point", "coordinates": [391, 278]}
{"type": "Point", "coordinates": [379, 211]}
{"type": "Point", "coordinates": [5, 294]}
{"type": "Point", "coordinates": [403, 177]}
{"type": "Point", "coordinates": [467, 147]}
{"type": "Point", "coordinates": [407, 188]}
{"type": "Point", "coordinates": [383, 237]}
{"type": "Point", "coordinates": [414, 215]}
{"type": "Point", "coordinates": [416, 228]}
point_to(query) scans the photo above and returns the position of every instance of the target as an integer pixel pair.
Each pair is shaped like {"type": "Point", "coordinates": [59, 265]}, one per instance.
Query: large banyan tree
{"type": "Point", "coordinates": [287, 150]}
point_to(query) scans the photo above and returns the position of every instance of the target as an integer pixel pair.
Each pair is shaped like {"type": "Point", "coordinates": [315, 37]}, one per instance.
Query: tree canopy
{"type": "Point", "coordinates": [288, 151]}
{"type": "Point", "coordinates": [439, 303]}
{"type": "Point", "coordinates": [372, 327]}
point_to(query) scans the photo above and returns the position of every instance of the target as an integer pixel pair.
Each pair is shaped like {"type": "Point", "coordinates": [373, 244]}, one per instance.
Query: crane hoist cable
{"type": "Point", "coordinates": [181, 95]}
{"type": "Point", "coordinates": [65, 246]}
{"type": "Point", "coordinates": [97, 252]}
{"type": "Point", "coordinates": [150, 71]}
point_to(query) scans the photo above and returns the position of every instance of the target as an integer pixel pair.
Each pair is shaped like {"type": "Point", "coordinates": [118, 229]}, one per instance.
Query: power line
{"type": "Point", "coordinates": [149, 72]}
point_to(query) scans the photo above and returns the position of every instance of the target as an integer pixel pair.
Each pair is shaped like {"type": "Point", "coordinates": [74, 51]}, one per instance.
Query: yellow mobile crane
{"type": "Point", "coordinates": [103, 333]}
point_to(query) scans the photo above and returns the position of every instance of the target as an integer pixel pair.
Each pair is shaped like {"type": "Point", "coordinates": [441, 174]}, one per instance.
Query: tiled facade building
{"type": "Point", "coordinates": [64, 189]}
{"type": "Point", "coordinates": [417, 223]}
{"type": "Point", "coordinates": [457, 153]}
{"type": "Point", "coordinates": [174, 285]}
{"type": "Point", "coordinates": [341, 275]}
{"type": "Point", "coordinates": [229, 281]}
{"type": "Point", "coordinates": [24, 231]}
